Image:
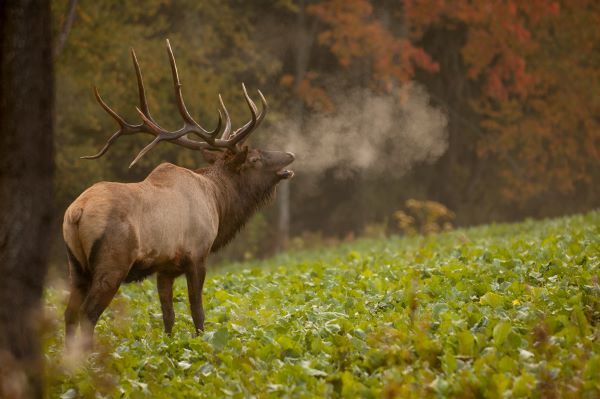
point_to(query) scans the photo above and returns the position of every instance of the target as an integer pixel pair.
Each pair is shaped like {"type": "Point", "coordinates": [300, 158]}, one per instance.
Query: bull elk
{"type": "Point", "coordinates": [172, 220]}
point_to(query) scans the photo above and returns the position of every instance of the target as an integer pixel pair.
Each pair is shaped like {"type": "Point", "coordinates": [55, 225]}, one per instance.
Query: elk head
{"type": "Point", "coordinates": [221, 147]}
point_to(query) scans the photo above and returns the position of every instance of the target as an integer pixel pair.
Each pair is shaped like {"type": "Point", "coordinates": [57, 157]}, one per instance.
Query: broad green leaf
{"type": "Point", "coordinates": [492, 299]}
{"type": "Point", "coordinates": [500, 332]}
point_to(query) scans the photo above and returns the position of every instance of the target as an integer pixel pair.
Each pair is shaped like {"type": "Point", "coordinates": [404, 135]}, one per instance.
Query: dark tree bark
{"type": "Point", "coordinates": [26, 170]}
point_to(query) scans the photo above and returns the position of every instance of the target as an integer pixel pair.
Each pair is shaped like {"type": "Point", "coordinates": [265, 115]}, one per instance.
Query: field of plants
{"type": "Point", "coordinates": [493, 311]}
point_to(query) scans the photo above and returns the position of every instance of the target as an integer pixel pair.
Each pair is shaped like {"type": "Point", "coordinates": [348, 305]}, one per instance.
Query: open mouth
{"type": "Point", "coordinates": [285, 174]}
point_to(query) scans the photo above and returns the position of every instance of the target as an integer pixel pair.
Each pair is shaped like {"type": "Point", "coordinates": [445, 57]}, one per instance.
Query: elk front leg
{"type": "Point", "coordinates": [165, 293]}
{"type": "Point", "coordinates": [195, 281]}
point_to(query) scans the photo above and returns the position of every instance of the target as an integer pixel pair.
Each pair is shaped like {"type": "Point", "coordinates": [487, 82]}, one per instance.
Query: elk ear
{"type": "Point", "coordinates": [235, 163]}
{"type": "Point", "coordinates": [211, 156]}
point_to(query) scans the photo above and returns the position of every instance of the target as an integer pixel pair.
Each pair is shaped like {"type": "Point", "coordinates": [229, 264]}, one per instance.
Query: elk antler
{"type": "Point", "coordinates": [210, 139]}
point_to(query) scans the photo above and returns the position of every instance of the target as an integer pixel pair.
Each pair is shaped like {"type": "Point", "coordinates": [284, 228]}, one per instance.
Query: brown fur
{"type": "Point", "coordinates": [167, 224]}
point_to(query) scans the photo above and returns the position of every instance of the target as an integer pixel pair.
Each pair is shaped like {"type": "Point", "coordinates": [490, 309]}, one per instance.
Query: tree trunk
{"type": "Point", "coordinates": [283, 205]}
{"type": "Point", "coordinates": [304, 38]}
{"type": "Point", "coordinates": [26, 170]}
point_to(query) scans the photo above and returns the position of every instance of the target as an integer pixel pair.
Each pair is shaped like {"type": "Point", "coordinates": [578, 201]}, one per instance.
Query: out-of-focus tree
{"type": "Point", "coordinates": [26, 168]}
{"type": "Point", "coordinates": [353, 33]}
{"type": "Point", "coordinates": [536, 66]}
{"type": "Point", "coordinates": [550, 136]}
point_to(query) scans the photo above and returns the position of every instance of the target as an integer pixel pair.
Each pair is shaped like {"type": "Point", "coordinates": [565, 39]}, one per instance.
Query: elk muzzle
{"type": "Point", "coordinates": [277, 161]}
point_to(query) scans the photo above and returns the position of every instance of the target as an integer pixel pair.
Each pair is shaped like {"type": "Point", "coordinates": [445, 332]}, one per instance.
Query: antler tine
{"type": "Point", "coordinates": [159, 137]}
{"type": "Point", "coordinates": [145, 150]}
{"type": "Point", "coordinates": [263, 113]}
{"type": "Point", "coordinates": [265, 108]}
{"type": "Point", "coordinates": [237, 137]}
{"type": "Point", "coordinates": [243, 132]}
{"type": "Point", "coordinates": [110, 141]}
{"type": "Point", "coordinates": [124, 127]}
{"type": "Point", "coordinates": [108, 109]}
{"type": "Point", "coordinates": [227, 131]}
{"type": "Point", "coordinates": [140, 82]}
{"type": "Point", "coordinates": [219, 123]}
{"type": "Point", "coordinates": [203, 133]}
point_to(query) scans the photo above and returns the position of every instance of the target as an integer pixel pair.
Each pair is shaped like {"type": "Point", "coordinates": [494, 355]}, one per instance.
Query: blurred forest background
{"type": "Point", "coordinates": [491, 108]}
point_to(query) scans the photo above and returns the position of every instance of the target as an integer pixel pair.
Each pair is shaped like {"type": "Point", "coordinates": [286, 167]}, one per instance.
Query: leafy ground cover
{"type": "Point", "coordinates": [493, 311]}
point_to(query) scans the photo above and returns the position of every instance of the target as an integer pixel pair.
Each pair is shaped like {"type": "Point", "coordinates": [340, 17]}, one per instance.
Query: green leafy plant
{"type": "Point", "coordinates": [493, 311]}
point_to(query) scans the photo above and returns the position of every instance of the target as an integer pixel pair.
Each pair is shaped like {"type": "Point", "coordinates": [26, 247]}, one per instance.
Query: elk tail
{"type": "Point", "coordinates": [75, 251]}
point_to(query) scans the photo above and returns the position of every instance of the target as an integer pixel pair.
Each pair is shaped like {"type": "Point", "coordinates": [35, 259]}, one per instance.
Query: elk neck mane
{"type": "Point", "coordinates": [237, 200]}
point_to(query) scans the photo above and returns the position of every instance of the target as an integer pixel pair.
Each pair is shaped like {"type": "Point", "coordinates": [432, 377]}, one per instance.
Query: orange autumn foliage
{"type": "Point", "coordinates": [535, 64]}
{"type": "Point", "coordinates": [551, 136]}
{"type": "Point", "coordinates": [539, 64]}
{"type": "Point", "coordinates": [499, 37]}
{"type": "Point", "coordinates": [353, 33]}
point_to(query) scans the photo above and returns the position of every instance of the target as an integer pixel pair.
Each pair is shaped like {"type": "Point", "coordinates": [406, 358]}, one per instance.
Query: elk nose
{"type": "Point", "coordinates": [291, 154]}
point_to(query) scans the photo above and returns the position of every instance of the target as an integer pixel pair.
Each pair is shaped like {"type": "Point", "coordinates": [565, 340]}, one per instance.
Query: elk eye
{"type": "Point", "coordinates": [254, 159]}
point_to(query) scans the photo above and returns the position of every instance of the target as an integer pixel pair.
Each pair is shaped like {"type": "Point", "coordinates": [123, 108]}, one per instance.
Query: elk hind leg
{"type": "Point", "coordinates": [195, 276]}
{"type": "Point", "coordinates": [79, 286]}
{"type": "Point", "coordinates": [104, 287]}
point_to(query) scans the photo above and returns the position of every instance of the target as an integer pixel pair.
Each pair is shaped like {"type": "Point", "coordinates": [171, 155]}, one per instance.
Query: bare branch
{"type": "Point", "coordinates": [66, 28]}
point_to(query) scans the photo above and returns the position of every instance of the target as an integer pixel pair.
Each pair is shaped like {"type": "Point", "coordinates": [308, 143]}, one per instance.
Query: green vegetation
{"type": "Point", "coordinates": [492, 311]}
